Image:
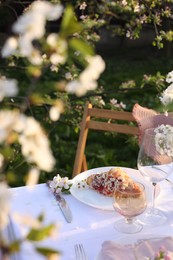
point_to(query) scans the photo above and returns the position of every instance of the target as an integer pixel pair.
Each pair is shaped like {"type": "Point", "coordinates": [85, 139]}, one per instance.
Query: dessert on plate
{"type": "Point", "coordinates": [106, 182]}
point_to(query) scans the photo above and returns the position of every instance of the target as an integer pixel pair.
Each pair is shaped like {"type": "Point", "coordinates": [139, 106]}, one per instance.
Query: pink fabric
{"type": "Point", "coordinates": [148, 118]}
{"type": "Point", "coordinates": [144, 248]}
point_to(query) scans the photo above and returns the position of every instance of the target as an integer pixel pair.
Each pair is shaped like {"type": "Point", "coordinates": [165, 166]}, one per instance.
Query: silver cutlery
{"type": "Point", "coordinates": [63, 205]}
{"type": "Point", "coordinates": [11, 238]}
{"type": "Point", "coordinates": [80, 252]}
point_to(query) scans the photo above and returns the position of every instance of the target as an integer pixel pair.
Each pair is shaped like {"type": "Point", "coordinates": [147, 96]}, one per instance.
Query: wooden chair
{"type": "Point", "coordinates": [90, 120]}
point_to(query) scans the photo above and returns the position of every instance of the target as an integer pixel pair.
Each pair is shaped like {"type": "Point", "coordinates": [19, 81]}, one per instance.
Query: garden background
{"type": "Point", "coordinates": [135, 73]}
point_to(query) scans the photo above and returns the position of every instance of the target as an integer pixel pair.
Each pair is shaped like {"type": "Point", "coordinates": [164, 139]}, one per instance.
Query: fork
{"type": "Point", "coordinates": [80, 252]}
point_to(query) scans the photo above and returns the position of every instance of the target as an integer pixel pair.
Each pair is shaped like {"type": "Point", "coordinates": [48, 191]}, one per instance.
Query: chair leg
{"type": "Point", "coordinates": [84, 164]}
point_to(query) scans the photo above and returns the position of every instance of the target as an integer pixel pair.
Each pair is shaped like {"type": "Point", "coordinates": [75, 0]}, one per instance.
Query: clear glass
{"type": "Point", "coordinates": [155, 168]}
{"type": "Point", "coordinates": [129, 203]}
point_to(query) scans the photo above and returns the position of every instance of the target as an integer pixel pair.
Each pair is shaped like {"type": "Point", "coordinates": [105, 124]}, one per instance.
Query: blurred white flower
{"type": "Point", "coordinates": [56, 110]}
{"type": "Point", "coordinates": [26, 220]}
{"type": "Point", "coordinates": [56, 59]}
{"type": "Point", "coordinates": [88, 78]}
{"type": "Point", "coordinates": [167, 95]}
{"type": "Point", "coordinates": [1, 160]}
{"type": "Point", "coordinates": [54, 68]}
{"type": "Point", "coordinates": [26, 25]}
{"type": "Point", "coordinates": [35, 145]}
{"type": "Point", "coordinates": [83, 6]}
{"type": "Point", "coordinates": [32, 22]}
{"type": "Point", "coordinates": [31, 26]}
{"type": "Point", "coordinates": [54, 113]}
{"type": "Point", "coordinates": [137, 8]}
{"type": "Point", "coordinates": [59, 49]}
{"type": "Point", "coordinates": [113, 101]}
{"type": "Point", "coordinates": [10, 47]}
{"type": "Point", "coordinates": [74, 87]}
{"type": "Point", "coordinates": [8, 88]}
{"type": "Point", "coordinates": [164, 139]}
{"type": "Point", "coordinates": [33, 176]}
{"type": "Point", "coordinates": [49, 11]}
{"type": "Point", "coordinates": [169, 77]}
{"type": "Point", "coordinates": [35, 57]}
{"type": "Point", "coordinates": [122, 105]}
{"type": "Point", "coordinates": [5, 197]}
{"type": "Point", "coordinates": [98, 100]}
{"type": "Point", "coordinates": [68, 76]}
{"type": "Point", "coordinates": [8, 119]}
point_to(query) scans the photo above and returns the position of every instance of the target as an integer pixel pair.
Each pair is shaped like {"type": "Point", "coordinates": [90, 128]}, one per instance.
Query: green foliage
{"type": "Point", "coordinates": [48, 252]}
{"type": "Point", "coordinates": [40, 233]}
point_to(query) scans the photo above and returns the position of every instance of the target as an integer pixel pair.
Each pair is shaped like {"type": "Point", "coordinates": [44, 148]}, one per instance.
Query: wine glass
{"type": "Point", "coordinates": [129, 202]}
{"type": "Point", "coordinates": [155, 167]}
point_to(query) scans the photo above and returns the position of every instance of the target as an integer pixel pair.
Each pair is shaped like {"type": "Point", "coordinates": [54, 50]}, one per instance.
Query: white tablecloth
{"type": "Point", "coordinates": [90, 226]}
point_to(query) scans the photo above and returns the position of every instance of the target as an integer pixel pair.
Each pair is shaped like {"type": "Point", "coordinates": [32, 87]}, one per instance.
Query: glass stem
{"type": "Point", "coordinates": [129, 220]}
{"type": "Point", "coordinates": [153, 196]}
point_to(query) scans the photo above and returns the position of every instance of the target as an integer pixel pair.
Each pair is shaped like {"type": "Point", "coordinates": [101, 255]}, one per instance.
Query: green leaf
{"type": "Point", "coordinates": [40, 234]}
{"type": "Point", "coordinates": [81, 46]}
{"type": "Point", "coordinates": [69, 24]}
{"type": "Point", "coordinates": [41, 217]}
{"type": "Point", "coordinates": [46, 251]}
{"type": "Point", "coordinates": [15, 246]}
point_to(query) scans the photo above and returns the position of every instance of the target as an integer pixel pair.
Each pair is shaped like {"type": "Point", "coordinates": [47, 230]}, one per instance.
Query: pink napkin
{"type": "Point", "coordinates": [148, 118]}
{"type": "Point", "coordinates": [142, 248]}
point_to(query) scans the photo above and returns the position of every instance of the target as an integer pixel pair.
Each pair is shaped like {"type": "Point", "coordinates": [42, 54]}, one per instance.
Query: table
{"type": "Point", "coordinates": [90, 226]}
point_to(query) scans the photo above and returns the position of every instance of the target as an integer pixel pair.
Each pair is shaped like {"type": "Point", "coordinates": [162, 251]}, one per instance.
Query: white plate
{"type": "Point", "coordinates": [97, 200]}
{"type": "Point", "coordinates": [132, 239]}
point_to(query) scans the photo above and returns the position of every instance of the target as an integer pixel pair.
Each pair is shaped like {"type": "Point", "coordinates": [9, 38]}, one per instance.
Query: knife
{"type": "Point", "coordinates": [63, 205]}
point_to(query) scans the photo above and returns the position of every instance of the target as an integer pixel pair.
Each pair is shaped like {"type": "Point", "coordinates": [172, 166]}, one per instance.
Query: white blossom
{"type": "Point", "coordinates": [8, 119]}
{"type": "Point", "coordinates": [49, 11]}
{"type": "Point", "coordinates": [35, 145]}
{"type": "Point", "coordinates": [56, 110]}
{"type": "Point", "coordinates": [10, 47]}
{"type": "Point", "coordinates": [1, 160]}
{"type": "Point", "coordinates": [8, 88]}
{"type": "Point", "coordinates": [35, 57]}
{"type": "Point", "coordinates": [169, 77]}
{"type": "Point", "coordinates": [59, 48]}
{"type": "Point", "coordinates": [60, 184]}
{"type": "Point", "coordinates": [56, 59]}
{"type": "Point", "coordinates": [54, 68]}
{"type": "Point", "coordinates": [31, 26]}
{"type": "Point", "coordinates": [114, 102]}
{"type": "Point", "coordinates": [87, 79]}
{"type": "Point", "coordinates": [33, 176]}
{"type": "Point", "coordinates": [167, 95]}
{"type": "Point", "coordinates": [164, 139]}
{"type": "Point", "coordinates": [54, 113]}
{"type": "Point", "coordinates": [5, 197]}
{"type": "Point", "coordinates": [83, 6]}
{"type": "Point", "coordinates": [122, 105]}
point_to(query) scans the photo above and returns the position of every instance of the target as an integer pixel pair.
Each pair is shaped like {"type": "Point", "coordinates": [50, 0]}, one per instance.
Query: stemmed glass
{"type": "Point", "coordinates": [129, 202]}
{"type": "Point", "coordinates": [155, 167]}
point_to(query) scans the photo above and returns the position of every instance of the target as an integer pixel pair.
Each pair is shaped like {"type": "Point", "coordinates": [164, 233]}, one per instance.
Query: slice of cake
{"type": "Point", "coordinates": [106, 182]}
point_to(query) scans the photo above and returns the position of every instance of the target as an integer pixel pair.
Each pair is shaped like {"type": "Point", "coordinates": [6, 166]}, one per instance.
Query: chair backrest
{"type": "Point", "coordinates": [90, 120]}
